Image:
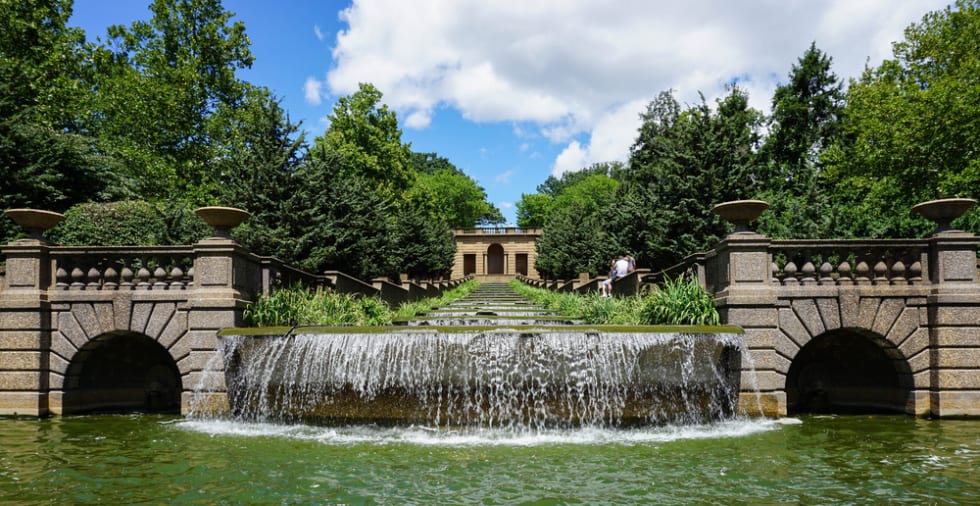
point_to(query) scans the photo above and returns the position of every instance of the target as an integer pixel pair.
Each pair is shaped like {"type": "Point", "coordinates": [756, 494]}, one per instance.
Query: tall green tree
{"type": "Point", "coordinates": [683, 163]}
{"type": "Point", "coordinates": [166, 93]}
{"type": "Point", "coordinates": [443, 192]}
{"type": "Point", "coordinates": [364, 132]}
{"type": "Point", "coordinates": [806, 117]}
{"type": "Point", "coordinates": [910, 129]}
{"type": "Point", "coordinates": [46, 160]}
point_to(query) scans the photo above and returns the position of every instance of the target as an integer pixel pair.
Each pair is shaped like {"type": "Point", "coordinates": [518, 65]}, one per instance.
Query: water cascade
{"type": "Point", "coordinates": [525, 374]}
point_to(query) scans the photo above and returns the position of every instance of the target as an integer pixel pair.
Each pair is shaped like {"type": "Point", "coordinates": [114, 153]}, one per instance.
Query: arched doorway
{"type": "Point", "coordinates": [848, 371]}
{"type": "Point", "coordinates": [122, 372]}
{"type": "Point", "coordinates": [495, 259]}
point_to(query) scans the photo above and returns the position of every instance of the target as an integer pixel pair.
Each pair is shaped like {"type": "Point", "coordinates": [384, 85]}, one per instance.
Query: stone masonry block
{"type": "Point", "coordinates": [141, 315]}
{"type": "Point", "coordinates": [922, 379]}
{"type": "Point", "coordinates": [20, 340]}
{"type": "Point", "coordinates": [762, 380]}
{"type": "Point", "coordinates": [959, 358]}
{"type": "Point", "coordinates": [161, 315]}
{"type": "Point", "coordinates": [202, 340]}
{"type": "Point", "coordinates": [84, 313]}
{"type": "Point", "coordinates": [793, 328]}
{"type": "Point", "coordinates": [175, 329]}
{"type": "Point", "coordinates": [212, 381]}
{"type": "Point", "coordinates": [758, 338]}
{"type": "Point", "coordinates": [106, 315]}
{"type": "Point", "coordinates": [210, 403]}
{"type": "Point", "coordinates": [906, 323]}
{"type": "Point", "coordinates": [956, 404]}
{"type": "Point", "coordinates": [919, 362]}
{"type": "Point", "coordinates": [62, 346]}
{"type": "Point", "coordinates": [917, 343]}
{"type": "Point", "coordinates": [70, 328]}
{"type": "Point", "coordinates": [764, 360]}
{"type": "Point", "coordinates": [957, 315]}
{"type": "Point", "coordinates": [747, 317]}
{"type": "Point", "coordinates": [21, 361]}
{"type": "Point", "coordinates": [829, 313]}
{"type": "Point", "coordinates": [205, 360]}
{"type": "Point", "coordinates": [179, 351]}
{"type": "Point", "coordinates": [23, 403]}
{"type": "Point", "coordinates": [888, 312]}
{"type": "Point", "coordinates": [785, 346]}
{"type": "Point", "coordinates": [809, 315]}
{"type": "Point", "coordinates": [957, 336]}
{"type": "Point", "coordinates": [20, 380]}
{"type": "Point", "coordinates": [217, 319]}
{"type": "Point", "coordinates": [867, 309]}
{"type": "Point", "coordinates": [850, 314]}
{"type": "Point", "coordinates": [20, 320]}
{"type": "Point", "coordinates": [959, 379]}
{"type": "Point", "coordinates": [57, 364]}
{"type": "Point", "coordinates": [122, 311]}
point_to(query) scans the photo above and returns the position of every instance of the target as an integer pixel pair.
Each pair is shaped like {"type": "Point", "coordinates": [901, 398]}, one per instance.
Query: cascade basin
{"type": "Point", "coordinates": [522, 378]}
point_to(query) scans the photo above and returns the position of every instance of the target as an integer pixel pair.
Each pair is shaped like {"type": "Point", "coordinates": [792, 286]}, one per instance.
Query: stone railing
{"type": "Point", "coordinates": [850, 262]}
{"type": "Point", "coordinates": [498, 231]}
{"type": "Point", "coordinates": [123, 268]}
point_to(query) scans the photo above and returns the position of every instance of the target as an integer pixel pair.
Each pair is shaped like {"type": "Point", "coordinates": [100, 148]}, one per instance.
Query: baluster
{"type": "Point", "coordinates": [176, 277]}
{"type": "Point", "coordinates": [915, 273]}
{"type": "Point", "coordinates": [808, 273]}
{"type": "Point", "coordinates": [94, 279]}
{"type": "Point", "coordinates": [826, 273]}
{"type": "Point", "coordinates": [789, 271]}
{"type": "Point", "coordinates": [898, 273]}
{"type": "Point", "coordinates": [111, 277]}
{"type": "Point", "coordinates": [190, 276]}
{"type": "Point", "coordinates": [862, 273]}
{"type": "Point", "coordinates": [775, 273]}
{"type": "Point", "coordinates": [77, 277]}
{"type": "Point", "coordinates": [160, 275]}
{"type": "Point", "coordinates": [844, 275]}
{"type": "Point", "coordinates": [126, 276]}
{"type": "Point", "coordinates": [881, 273]}
{"type": "Point", "coordinates": [142, 276]}
{"type": "Point", "coordinates": [61, 278]}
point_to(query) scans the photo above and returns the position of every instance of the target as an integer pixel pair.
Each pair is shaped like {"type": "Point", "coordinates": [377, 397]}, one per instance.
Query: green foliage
{"type": "Point", "coordinates": [591, 308]}
{"type": "Point", "coordinates": [806, 118]}
{"type": "Point", "coordinates": [422, 306]}
{"type": "Point", "coordinates": [129, 223]}
{"type": "Point", "coordinates": [365, 135]}
{"type": "Point", "coordinates": [301, 306]}
{"type": "Point", "coordinates": [680, 301]}
{"type": "Point", "coordinates": [909, 131]}
{"type": "Point", "coordinates": [451, 196]}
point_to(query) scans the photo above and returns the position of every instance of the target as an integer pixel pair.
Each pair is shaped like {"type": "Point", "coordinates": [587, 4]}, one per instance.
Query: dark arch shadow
{"type": "Point", "coordinates": [122, 372]}
{"type": "Point", "coordinates": [848, 371]}
{"type": "Point", "coordinates": [495, 259]}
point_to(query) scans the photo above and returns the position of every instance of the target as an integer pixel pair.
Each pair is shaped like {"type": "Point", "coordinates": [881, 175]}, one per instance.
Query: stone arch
{"type": "Point", "coordinates": [495, 259]}
{"type": "Point", "coordinates": [849, 370]}
{"type": "Point", "coordinates": [122, 371]}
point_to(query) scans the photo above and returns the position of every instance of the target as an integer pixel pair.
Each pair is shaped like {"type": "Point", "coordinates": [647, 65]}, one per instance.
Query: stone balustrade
{"type": "Point", "coordinates": [853, 262]}
{"type": "Point", "coordinates": [121, 268]}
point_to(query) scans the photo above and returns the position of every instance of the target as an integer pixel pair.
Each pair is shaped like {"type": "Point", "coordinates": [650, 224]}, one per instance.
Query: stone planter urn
{"type": "Point", "coordinates": [740, 213]}
{"type": "Point", "coordinates": [944, 211]}
{"type": "Point", "coordinates": [222, 219]}
{"type": "Point", "coordinates": [34, 221]}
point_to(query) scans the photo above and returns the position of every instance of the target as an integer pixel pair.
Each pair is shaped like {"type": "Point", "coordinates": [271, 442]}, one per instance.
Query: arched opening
{"type": "Point", "coordinates": [122, 372]}
{"type": "Point", "coordinates": [848, 372]}
{"type": "Point", "coordinates": [495, 259]}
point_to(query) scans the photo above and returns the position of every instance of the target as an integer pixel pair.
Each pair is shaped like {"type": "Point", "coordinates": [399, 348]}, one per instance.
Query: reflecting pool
{"type": "Point", "coordinates": [129, 459]}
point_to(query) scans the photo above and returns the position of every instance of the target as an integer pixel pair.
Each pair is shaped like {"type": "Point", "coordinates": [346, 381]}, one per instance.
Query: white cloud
{"type": "Point", "coordinates": [574, 70]}
{"type": "Point", "coordinates": [503, 178]}
{"type": "Point", "coordinates": [313, 91]}
{"type": "Point", "coordinates": [319, 33]}
{"type": "Point", "coordinates": [505, 205]}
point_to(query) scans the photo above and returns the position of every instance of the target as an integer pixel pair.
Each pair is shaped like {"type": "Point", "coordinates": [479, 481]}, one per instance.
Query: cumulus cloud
{"type": "Point", "coordinates": [577, 70]}
{"type": "Point", "coordinates": [504, 177]}
{"type": "Point", "coordinates": [313, 91]}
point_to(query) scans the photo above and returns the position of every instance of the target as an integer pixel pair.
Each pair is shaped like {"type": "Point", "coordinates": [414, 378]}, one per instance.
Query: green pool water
{"type": "Point", "coordinates": [822, 460]}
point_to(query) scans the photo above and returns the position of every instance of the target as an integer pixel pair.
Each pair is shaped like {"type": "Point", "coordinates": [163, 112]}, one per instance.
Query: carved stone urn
{"type": "Point", "coordinates": [944, 211]}
{"type": "Point", "coordinates": [222, 219]}
{"type": "Point", "coordinates": [740, 213]}
{"type": "Point", "coordinates": [34, 221]}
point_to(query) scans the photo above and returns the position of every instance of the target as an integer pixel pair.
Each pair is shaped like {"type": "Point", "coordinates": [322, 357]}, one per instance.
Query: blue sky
{"type": "Point", "coordinates": [512, 91]}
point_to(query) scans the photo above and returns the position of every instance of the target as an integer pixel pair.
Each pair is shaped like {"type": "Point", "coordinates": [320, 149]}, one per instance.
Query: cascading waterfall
{"type": "Point", "coordinates": [514, 379]}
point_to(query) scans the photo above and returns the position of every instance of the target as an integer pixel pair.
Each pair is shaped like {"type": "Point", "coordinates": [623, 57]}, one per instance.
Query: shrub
{"type": "Point", "coordinates": [129, 223]}
{"type": "Point", "coordinates": [300, 306]}
{"type": "Point", "coordinates": [680, 301]}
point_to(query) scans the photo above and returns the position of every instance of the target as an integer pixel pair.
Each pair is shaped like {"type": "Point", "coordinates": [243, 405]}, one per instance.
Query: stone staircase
{"type": "Point", "coordinates": [490, 305]}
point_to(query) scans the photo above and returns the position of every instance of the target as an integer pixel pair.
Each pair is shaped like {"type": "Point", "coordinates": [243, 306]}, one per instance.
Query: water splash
{"type": "Point", "coordinates": [514, 380]}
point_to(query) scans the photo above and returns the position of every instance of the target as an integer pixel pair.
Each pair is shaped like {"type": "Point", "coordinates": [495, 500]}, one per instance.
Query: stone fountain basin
{"type": "Point", "coordinates": [447, 376]}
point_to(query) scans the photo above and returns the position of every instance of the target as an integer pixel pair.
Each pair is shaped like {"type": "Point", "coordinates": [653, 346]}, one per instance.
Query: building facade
{"type": "Point", "coordinates": [492, 253]}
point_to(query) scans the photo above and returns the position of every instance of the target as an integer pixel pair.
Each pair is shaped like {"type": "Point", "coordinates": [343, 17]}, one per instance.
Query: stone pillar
{"type": "Point", "coordinates": [223, 275]}
{"type": "Point", "coordinates": [954, 324]}
{"type": "Point", "coordinates": [25, 329]}
{"type": "Point", "coordinates": [740, 276]}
